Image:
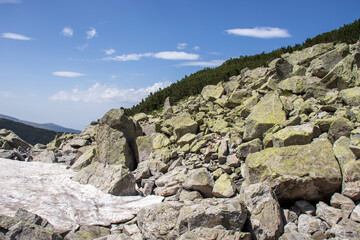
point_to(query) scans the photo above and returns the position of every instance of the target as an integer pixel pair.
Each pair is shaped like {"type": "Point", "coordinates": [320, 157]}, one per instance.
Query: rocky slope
{"type": "Point", "coordinates": [270, 154]}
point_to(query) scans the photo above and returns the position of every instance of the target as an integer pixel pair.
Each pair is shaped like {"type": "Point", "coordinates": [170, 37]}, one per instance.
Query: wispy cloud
{"type": "Point", "coordinates": [15, 36]}
{"type": "Point", "coordinates": [213, 63]}
{"type": "Point", "coordinates": [101, 93]}
{"type": "Point", "coordinates": [6, 94]}
{"type": "Point", "coordinates": [181, 45]}
{"type": "Point", "coordinates": [91, 33]}
{"type": "Point", "coordinates": [128, 57]}
{"type": "Point", "coordinates": [167, 55]}
{"type": "Point", "coordinates": [110, 51]}
{"type": "Point", "coordinates": [67, 32]}
{"type": "Point", "coordinates": [260, 32]}
{"type": "Point", "coordinates": [68, 74]}
{"type": "Point", "coordinates": [10, 1]}
{"type": "Point", "coordinates": [196, 48]}
{"type": "Point", "coordinates": [82, 47]}
{"type": "Point", "coordinates": [173, 55]}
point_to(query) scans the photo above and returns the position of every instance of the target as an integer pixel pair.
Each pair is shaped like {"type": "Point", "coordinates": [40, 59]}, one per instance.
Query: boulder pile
{"type": "Point", "coordinates": [272, 153]}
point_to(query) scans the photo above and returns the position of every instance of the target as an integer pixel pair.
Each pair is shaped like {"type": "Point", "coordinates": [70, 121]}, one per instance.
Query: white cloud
{"type": "Point", "coordinates": [167, 55]}
{"type": "Point", "coordinates": [260, 32]}
{"type": "Point", "coordinates": [101, 93]}
{"type": "Point", "coordinates": [128, 57]}
{"type": "Point", "coordinates": [173, 55]}
{"type": "Point", "coordinates": [68, 74]}
{"type": "Point", "coordinates": [15, 36]}
{"type": "Point", "coordinates": [10, 1]}
{"type": "Point", "coordinates": [82, 47]}
{"type": "Point", "coordinates": [67, 32]}
{"type": "Point", "coordinates": [196, 48]}
{"type": "Point", "coordinates": [213, 63]}
{"type": "Point", "coordinates": [110, 51]}
{"type": "Point", "coordinates": [91, 33]}
{"type": "Point", "coordinates": [181, 45]}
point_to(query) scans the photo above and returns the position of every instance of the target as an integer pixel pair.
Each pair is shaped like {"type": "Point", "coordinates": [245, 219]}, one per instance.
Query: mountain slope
{"type": "Point", "coordinates": [47, 126]}
{"type": "Point", "coordinates": [28, 133]}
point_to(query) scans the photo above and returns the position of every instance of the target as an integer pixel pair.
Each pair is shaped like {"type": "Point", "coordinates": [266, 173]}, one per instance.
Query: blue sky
{"type": "Point", "coordinates": [70, 61]}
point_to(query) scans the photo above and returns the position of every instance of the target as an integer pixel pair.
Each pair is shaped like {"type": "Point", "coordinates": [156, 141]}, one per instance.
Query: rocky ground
{"type": "Point", "coordinates": [270, 154]}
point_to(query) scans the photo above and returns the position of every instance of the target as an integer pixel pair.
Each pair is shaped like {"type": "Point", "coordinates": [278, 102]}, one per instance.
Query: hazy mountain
{"type": "Point", "coordinates": [30, 134]}
{"type": "Point", "coordinates": [47, 126]}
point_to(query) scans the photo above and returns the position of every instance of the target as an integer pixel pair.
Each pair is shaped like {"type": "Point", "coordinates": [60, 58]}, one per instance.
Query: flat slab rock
{"type": "Point", "coordinates": [47, 190]}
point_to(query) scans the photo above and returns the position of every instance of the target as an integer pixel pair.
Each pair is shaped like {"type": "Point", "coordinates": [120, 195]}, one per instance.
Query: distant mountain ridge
{"type": "Point", "coordinates": [47, 126]}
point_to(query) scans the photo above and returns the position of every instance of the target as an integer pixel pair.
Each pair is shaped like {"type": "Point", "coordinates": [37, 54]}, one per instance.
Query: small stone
{"type": "Point", "coordinates": [310, 224]}
{"type": "Point", "coordinates": [305, 207]}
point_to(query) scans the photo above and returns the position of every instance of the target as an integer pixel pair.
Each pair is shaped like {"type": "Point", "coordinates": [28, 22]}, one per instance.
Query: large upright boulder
{"type": "Point", "coordinates": [309, 172]}
{"type": "Point", "coordinates": [265, 217]}
{"type": "Point", "coordinates": [116, 155]}
{"type": "Point", "coordinates": [267, 113]}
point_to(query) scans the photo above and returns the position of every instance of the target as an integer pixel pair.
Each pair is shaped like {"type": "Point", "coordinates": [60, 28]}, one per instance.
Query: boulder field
{"type": "Point", "coordinates": [272, 153]}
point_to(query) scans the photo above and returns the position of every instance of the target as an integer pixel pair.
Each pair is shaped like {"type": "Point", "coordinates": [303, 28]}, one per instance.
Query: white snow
{"type": "Point", "coordinates": [47, 190]}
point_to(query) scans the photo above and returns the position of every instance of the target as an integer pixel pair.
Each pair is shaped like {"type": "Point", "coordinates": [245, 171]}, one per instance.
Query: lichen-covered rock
{"type": "Point", "coordinates": [78, 143]}
{"type": "Point", "coordinates": [113, 148]}
{"type": "Point", "coordinates": [43, 155]}
{"type": "Point", "coordinates": [344, 203]}
{"type": "Point", "coordinates": [13, 140]}
{"type": "Point", "coordinates": [244, 149]}
{"type": "Point", "coordinates": [85, 159]}
{"type": "Point", "coordinates": [308, 172]}
{"type": "Point", "coordinates": [224, 187]}
{"type": "Point", "coordinates": [293, 135]}
{"type": "Point", "coordinates": [351, 96]}
{"type": "Point", "coordinates": [229, 213]}
{"type": "Point", "coordinates": [265, 216]}
{"type": "Point", "coordinates": [200, 180]}
{"type": "Point", "coordinates": [26, 225]}
{"type": "Point", "coordinates": [345, 229]}
{"type": "Point", "coordinates": [308, 54]}
{"type": "Point", "coordinates": [87, 232]}
{"type": "Point", "coordinates": [204, 233]}
{"type": "Point", "coordinates": [345, 74]}
{"type": "Point", "coordinates": [342, 151]}
{"type": "Point", "coordinates": [329, 214]}
{"type": "Point", "coordinates": [310, 224]}
{"type": "Point", "coordinates": [145, 147]}
{"type": "Point", "coordinates": [351, 180]}
{"type": "Point", "coordinates": [159, 221]}
{"type": "Point", "coordinates": [160, 141]}
{"type": "Point", "coordinates": [113, 179]}
{"type": "Point", "coordinates": [212, 92]}
{"type": "Point", "coordinates": [236, 98]}
{"type": "Point", "coordinates": [189, 195]}
{"type": "Point", "coordinates": [322, 65]}
{"type": "Point", "coordinates": [140, 117]}
{"type": "Point", "coordinates": [184, 124]}
{"type": "Point", "coordinates": [294, 84]}
{"type": "Point", "coordinates": [186, 139]}
{"type": "Point", "coordinates": [267, 113]}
